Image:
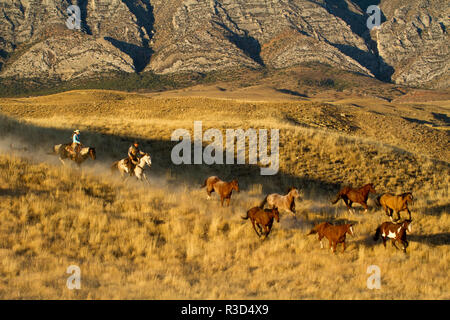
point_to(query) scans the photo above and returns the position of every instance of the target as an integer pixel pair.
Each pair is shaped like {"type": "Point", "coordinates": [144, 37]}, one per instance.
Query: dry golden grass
{"type": "Point", "coordinates": [166, 241]}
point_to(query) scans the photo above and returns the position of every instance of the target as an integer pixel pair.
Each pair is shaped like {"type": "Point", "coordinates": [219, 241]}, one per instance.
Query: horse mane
{"type": "Point", "coordinates": [403, 195]}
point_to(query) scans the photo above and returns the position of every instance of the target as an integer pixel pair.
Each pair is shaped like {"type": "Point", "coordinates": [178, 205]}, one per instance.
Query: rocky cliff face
{"type": "Point", "coordinates": [170, 36]}
{"type": "Point", "coordinates": [415, 41]}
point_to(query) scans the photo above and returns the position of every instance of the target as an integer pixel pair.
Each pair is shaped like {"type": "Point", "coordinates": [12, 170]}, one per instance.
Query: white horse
{"type": "Point", "coordinates": [138, 171]}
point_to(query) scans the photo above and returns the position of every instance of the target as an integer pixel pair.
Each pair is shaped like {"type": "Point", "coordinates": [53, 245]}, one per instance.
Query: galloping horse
{"type": "Point", "coordinates": [334, 234]}
{"type": "Point", "coordinates": [264, 218]}
{"type": "Point", "coordinates": [138, 170]}
{"type": "Point", "coordinates": [286, 202]}
{"type": "Point", "coordinates": [350, 195]}
{"type": "Point", "coordinates": [394, 231]}
{"type": "Point", "coordinates": [63, 151]}
{"type": "Point", "coordinates": [397, 203]}
{"type": "Point", "coordinates": [224, 189]}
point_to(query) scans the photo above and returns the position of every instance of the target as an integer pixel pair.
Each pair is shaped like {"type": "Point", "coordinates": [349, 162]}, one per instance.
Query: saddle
{"type": "Point", "coordinates": [69, 148]}
{"type": "Point", "coordinates": [131, 166]}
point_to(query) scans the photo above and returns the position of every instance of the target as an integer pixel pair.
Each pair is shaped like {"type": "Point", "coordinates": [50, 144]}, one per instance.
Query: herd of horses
{"type": "Point", "coordinates": [262, 218]}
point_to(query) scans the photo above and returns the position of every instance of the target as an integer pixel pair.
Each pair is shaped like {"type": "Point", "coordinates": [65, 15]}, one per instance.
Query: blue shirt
{"type": "Point", "coordinates": [76, 139]}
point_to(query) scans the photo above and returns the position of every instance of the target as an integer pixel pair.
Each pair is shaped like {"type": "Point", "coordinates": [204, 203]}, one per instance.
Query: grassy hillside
{"type": "Point", "coordinates": [166, 241]}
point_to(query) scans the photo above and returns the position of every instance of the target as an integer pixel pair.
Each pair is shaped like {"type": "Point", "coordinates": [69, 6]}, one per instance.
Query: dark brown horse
{"type": "Point", "coordinates": [64, 152]}
{"type": "Point", "coordinates": [334, 234]}
{"type": "Point", "coordinates": [263, 218]}
{"type": "Point", "coordinates": [222, 188]}
{"type": "Point", "coordinates": [397, 203]}
{"type": "Point", "coordinates": [394, 231]}
{"type": "Point", "coordinates": [350, 195]}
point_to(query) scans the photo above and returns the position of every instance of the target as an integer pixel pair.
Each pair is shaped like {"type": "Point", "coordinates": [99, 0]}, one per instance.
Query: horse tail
{"type": "Point", "coordinates": [263, 202]}
{"type": "Point", "coordinates": [114, 166]}
{"type": "Point", "coordinates": [246, 217]}
{"type": "Point", "coordinates": [377, 234]}
{"type": "Point", "coordinates": [52, 151]}
{"type": "Point", "coordinates": [313, 230]}
{"type": "Point", "coordinates": [204, 183]}
{"type": "Point", "coordinates": [337, 198]}
{"type": "Point", "coordinates": [377, 200]}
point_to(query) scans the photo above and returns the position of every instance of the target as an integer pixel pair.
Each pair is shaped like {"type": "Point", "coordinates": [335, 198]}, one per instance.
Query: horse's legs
{"type": "Point", "coordinates": [62, 161]}
{"type": "Point", "coordinates": [343, 246]}
{"type": "Point", "coordinates": [409, 213]}
{"type": "Point", "coordinates": [320, 239]}
{"type": "Point", "coordinates": [259, 228]}
{"type": "Point", "coordinates": [346, 202]}
{"type": "Point", "coordinates": [365, 207]}
{"type": "Point", "coordinates": [254, 227]}
{"type": "Point", "coordinates": [393, 243]}
{"type": "Point", "coordinates": [384, 242]}
{"type": "Point", "coordinates": [145, 178]}
{"type": "Point", "coordinates": [209, 190]}
{"type": "Point", "coordinates": [405, 245]}
{"type": "Point", "coordinates": [350, 202]}
{"type": "Point", "coordinates": [387, 210]}
{"type": "Point", "coordinates": [221, 200]}
{"type": "Point", "coordinates": [228, 201]}
{"type": "Point", "coordinates": [334, 247]}
{"type": "Point", "coordinates": [268, 229]}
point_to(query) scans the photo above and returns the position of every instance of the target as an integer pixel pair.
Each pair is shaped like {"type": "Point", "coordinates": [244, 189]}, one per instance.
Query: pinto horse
{"type": "Point", "coordinates": [394, 231]}
{"type": "Point", "coordinates": [397, 203]}
{"type": "Point", "coordinates": [222, 188]}
{"type": "Point", "coordinates": [286, 202]}
{"type": "Point", "coordinates": [64, 152]}
{"type": "Point", "coordinates": [350, 195]}
{"type": "Point", "coordinates": [263, 218]}
{"type": "Point", "coordinates": [144, 160]}
{"type": "Point", "coordinates": [334, 234]}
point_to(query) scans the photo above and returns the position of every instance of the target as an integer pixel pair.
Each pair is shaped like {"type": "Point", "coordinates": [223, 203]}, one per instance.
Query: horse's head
{"type": "Point", "coordinates": [235, 185]}
{"type": "Point", "coordinates": [370, 188]}
{"type": "Point", "coordinates": [408, 197]}
{"type": "Point", "coordinates": [147, 159]}
{"type": "Point", "coordinates": [92, 153]}
{"type": "Point", "coordinates": [294, 192]}
{"type": "Point", "coordinates": [407, 225]}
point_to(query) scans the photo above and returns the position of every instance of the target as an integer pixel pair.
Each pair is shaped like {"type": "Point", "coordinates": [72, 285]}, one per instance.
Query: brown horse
{"type": "Point", "coordinates": [64, 152]}
{"type": "Point", "coordinates": [350, 195]}
{"type": "Point", "coordinates": [334, 234]}
{"type": "Point", "coordinates": [222, 188]}
{"type": "Point", "coordinates": [397, 203]}
{"type": "Point", "coordinates": [263, 218]}
{"type": "Point", "coordinates": [394, 231]}
{"type": "Point", "coordinates": [286, 202]}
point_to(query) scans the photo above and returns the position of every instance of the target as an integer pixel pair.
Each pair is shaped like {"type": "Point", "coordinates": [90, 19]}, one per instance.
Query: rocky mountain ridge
{"type": "Point", "coordinates": [171, 36]}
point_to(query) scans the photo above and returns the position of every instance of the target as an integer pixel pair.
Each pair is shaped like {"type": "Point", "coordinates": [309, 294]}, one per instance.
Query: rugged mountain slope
{"type": "Point", "coordinates": [416, 42]}
{"type": "Point", "coordinates": [170, 36]}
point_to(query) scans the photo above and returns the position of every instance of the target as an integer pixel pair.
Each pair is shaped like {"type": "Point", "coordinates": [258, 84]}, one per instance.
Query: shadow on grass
{"type": "Point", "coordinates": [110, 148]}
{"type": "Point", "coordinates": [12, 192]}
{"type": "Point", "coordinates": [436, 239]}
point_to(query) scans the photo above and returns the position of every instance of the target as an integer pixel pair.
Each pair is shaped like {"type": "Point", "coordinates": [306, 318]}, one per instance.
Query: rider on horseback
{"type": "Point", "coordinates": [133, 157]}
{"type": "Point", "coordinates": [76, 143]}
